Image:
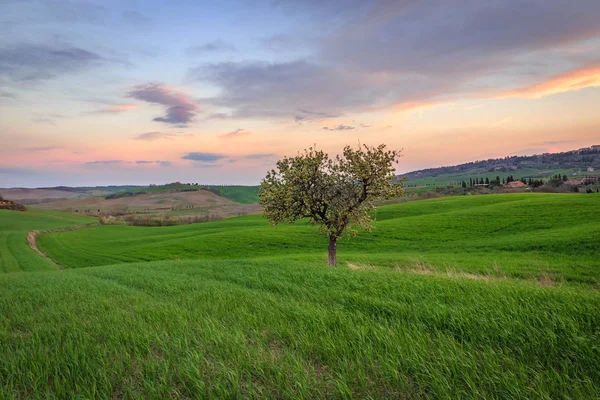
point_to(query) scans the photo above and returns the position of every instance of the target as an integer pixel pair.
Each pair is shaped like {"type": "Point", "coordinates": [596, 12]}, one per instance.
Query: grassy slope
{"type": "Point", "coordinates": [15, 254]}
{"type": "Point", "coordinates": [520, 235]}
{"type": "Point", "coordinates": [445, 179]}
{"type": "Point", "coordinates": [164, 188]}
{"type": "Point", "coordinates": [240, 194]}
{"type": "Point", "coordinates": [290, 330]}
{"type": "Point", "coordinates": [258, 316]}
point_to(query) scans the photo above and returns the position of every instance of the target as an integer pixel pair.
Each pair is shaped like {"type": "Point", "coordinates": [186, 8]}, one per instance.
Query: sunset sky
{"type": "Point", "coordinates": [139, 92]}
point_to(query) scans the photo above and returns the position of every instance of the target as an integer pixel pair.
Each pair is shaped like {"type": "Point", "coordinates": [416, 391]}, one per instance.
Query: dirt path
{"type": "Point", "coordinates": [33, 235]}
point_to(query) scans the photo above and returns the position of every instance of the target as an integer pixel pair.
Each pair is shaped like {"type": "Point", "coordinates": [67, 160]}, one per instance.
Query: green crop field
{"type": "Point", "coordinates": [493, 296]}
{"type": "Point", "coordinates": [15, 254]}
{"type": "Point", "coordinates": [239, 194]}
{"type": "Point", "coordinates": [521, 235]}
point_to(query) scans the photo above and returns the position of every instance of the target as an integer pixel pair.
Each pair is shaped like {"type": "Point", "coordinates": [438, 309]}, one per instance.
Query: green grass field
{"type": "Point", "coordinates": [492, 296]}
{"type": "Point", "coordinates": [521, 235]}
{"type": "Point", "coordinates": [15, 254]}
{"type": "Point", "coordinates": [240, 194]}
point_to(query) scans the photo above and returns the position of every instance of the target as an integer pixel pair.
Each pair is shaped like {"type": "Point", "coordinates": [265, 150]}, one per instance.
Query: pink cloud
{"type": "Point", "coordinates": [235, 134]}
{"type": "Point", "coordinates": [180, 109]}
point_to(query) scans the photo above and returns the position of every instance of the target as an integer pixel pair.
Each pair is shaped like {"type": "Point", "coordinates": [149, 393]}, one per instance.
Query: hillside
{"type": "Point", "coordinates": [570, 163]}
{"type": "Point", "coordinates": [239, 194]}
{"type": "Point", "coordinates": [457, 297]}
{"type": "Point", "coordinates": [47, 194]}
{"type": "Point", "coordinates": [15, 254]}
{"type": "Point", "coordinates": [478, 234]}
{"type": "Point", "coordinates": [170, 203]}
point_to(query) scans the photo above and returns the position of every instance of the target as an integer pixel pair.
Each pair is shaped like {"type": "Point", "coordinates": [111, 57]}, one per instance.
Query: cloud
{"type": "Point", "coordinates": [103, 162]}
{"type": "Point", "coordinates": [76, 11]}
{"type": "Point", "coordinates": [15, 171]}
{"type": "Point", "coordinates": [118, 109]}
{"type": "Point", "coordinates": [307, 115]}
{"type": "Point", "coordinates": [211, 47]}
{"type": "Point", "coordinates": [202, 165]}
{"type": "Point", "coordinates": [32, 63]}
{"type": "Point", "coordinates": [282, 42]}
{"type": "Point", "coordinates": [157, 162]}
{"type": "Point", "coordinates": [261, 89]}
{"type": "Point", "coordinates": [7, 95]}
{"type": "Point", "coordinates": [575, 79]}
{"type": "Point", "coordinates": [203, 157]}
{"type": "Point", "coordinates": [260, 156]}
{"type": "Point", "coordinates": [292, 89]}
{"type": "Point", "coordinates": [339, 128]}
{"type": "Point", "coordinates": [234, 134]}
{"type": "Point", "coordinates": [161, 135]}
{"type": "Point", "coordinates": [44, 120]}
{"type": "Point", "coordinates": [391, 54]}
{"type": "Point", "coordinates": [180, 109]}
{"type": "Point", "coordinates": [221, 116]}
{"type": "Point", "coordinates": [155, 136]}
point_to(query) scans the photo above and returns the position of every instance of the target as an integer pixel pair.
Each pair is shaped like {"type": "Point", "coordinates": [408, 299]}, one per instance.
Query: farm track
{"type": "Point", "coordinates": [33, 235]}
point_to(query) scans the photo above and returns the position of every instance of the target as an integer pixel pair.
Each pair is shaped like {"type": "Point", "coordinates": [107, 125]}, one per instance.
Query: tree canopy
{"type": "Point", "coordinates": [333, 193]}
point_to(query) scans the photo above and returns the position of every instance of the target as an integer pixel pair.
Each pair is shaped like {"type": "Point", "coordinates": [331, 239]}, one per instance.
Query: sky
{"type": "Point", "coordinates": [139, 92]}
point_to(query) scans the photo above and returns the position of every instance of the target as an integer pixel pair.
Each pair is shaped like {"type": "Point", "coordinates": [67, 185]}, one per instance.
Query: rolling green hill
{"type": "Point", "coordinates": [284, 329]}
{"type": "Point", "coordinates": [239, 194]}
{"type": "Point", "coordinates": [15, 254]}
{"type": "Point", "coordinates": [459, 297]}
{"type": "Point", "coordinates": [520, 235]}
{"type": "Point", "coordinates": [573, 163]}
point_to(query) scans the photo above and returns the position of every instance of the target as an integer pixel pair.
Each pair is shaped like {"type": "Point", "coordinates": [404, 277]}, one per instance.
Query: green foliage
{"type": "Point", "coordinates": [334, 194]}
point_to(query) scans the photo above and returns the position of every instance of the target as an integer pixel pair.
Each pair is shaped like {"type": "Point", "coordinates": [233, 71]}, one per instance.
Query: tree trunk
{"type": "Point", "coordinates": [332, 251]}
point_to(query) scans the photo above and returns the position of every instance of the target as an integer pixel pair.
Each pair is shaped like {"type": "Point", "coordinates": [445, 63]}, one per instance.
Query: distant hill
{"type": "Point", "coordinates": [239, 194]}
{"type": "Point", "coordinates": [236, 193]}
{"type": "Point", "coordinates": [575, 162]}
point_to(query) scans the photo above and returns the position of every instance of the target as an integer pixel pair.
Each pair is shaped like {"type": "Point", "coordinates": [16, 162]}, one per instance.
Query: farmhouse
{"type": "Point", "coordinates": [515, 184]}
{"type": "Point", "coordinates": [591, 169]}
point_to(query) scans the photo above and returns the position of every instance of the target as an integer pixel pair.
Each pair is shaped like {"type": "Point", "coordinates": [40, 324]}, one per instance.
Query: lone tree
{"type": "Point", "coordinates": [334, 193]}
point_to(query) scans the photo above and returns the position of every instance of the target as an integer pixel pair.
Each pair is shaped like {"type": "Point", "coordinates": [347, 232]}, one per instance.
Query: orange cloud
{"type": "Point", "coordinates": [571, 80]}
{"type": "Point", "coordinates": [120, 108]}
